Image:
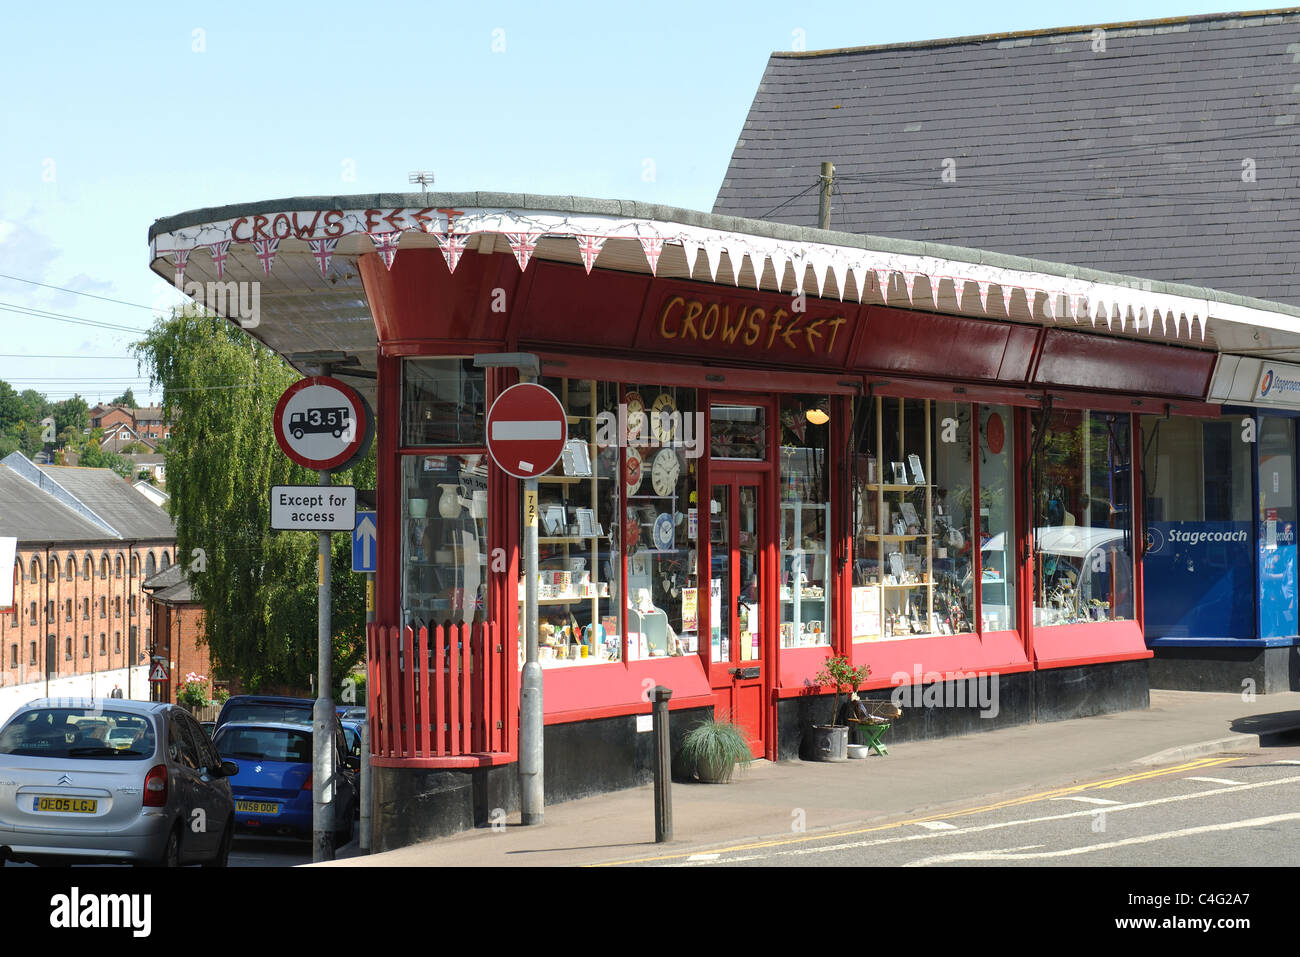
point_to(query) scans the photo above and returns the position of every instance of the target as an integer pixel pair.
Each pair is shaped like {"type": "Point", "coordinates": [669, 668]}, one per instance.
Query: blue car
{"type": "Point", "coordinates": [273, 789]}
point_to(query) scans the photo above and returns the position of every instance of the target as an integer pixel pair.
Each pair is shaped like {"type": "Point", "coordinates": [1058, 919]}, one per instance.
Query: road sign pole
{"type": "Point", "coordinates": [366, 778]}
{"type": "Point", "coordinates": [532, 790]}
{"type": "Point", "coordinates": [322, 816]}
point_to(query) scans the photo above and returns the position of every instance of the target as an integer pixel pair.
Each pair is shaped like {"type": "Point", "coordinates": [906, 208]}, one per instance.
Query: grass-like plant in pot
{"type": "Point", "coordinates": [712, 749]}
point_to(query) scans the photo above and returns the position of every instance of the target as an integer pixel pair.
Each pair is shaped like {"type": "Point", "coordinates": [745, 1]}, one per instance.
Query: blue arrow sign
{"type": "Point", "coordinates": [363, 542]}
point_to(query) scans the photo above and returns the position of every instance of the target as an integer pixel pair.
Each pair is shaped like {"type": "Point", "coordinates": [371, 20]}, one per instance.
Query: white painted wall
{"type": "Point", "coordinates": [98, 685]}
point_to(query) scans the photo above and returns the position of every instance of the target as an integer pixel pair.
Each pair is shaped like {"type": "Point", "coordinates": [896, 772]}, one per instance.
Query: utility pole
{"type": "Point", "coordinates": [826, 181]}
{"type": "Point", "coordinates": [323, 770]}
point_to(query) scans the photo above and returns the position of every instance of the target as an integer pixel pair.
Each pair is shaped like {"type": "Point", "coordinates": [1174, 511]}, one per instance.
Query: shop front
{"type": "Point", "coordinates": [877, 459]}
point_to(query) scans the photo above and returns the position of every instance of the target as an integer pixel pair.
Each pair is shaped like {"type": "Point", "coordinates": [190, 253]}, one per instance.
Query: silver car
{"type": "Point", "coordinates": [112, 780]}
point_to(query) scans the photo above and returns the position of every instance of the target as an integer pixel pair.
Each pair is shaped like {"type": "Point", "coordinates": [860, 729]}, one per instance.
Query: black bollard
{"type": "Point", "coordinates": [663, 766]}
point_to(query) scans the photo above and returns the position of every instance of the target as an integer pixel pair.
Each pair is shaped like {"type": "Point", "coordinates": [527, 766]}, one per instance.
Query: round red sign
{"type": "Point", "coordinates": [322, 423]}
{"type": "Point", "coordinates": [526, 430]}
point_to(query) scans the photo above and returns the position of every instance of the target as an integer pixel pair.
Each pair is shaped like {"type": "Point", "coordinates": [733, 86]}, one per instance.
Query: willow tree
{"type": "Point", "coordinates": [257, 588]}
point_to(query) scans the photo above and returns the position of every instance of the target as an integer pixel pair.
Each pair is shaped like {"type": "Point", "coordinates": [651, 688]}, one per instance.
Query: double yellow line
{"type": "Point", "coordinates": [1028, 799]}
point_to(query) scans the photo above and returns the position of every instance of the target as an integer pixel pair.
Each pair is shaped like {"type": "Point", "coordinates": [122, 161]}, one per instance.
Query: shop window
{"type": "Point", "coordinates": [805, 559]}
{"type": "Point", "coordinates": [444, 541]}
{"type": "Point", "coordinates": [737, 432]}
{"type": "Point", "coordinates": [1198, 563]}
{"type": "Point", "coordinates": [661, 446]}
{"type": "Point", "coordinates": [1277, 524]}
{"type": "Point", "coordinates": [443, 403]}
{"type": "Point", "coordinates": [997, 509]}
{"type": "Point", "coordinates": [915, 565]}
{"type": "Point", "coordinates": [1082, 520]}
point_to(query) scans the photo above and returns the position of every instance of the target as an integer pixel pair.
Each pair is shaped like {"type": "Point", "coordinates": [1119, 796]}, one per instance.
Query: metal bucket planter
{"type": "Point", "coordinates": [830, 742]}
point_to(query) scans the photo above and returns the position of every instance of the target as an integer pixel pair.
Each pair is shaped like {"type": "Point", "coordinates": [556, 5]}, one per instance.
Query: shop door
{"type": "Point", "coordinates": [740, 604]}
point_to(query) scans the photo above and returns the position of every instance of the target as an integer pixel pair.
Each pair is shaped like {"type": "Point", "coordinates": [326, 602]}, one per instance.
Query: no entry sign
{"type": "Point", "coordinates": [526, 430]}
{"type": "Point", "coordinates": [322, 423]}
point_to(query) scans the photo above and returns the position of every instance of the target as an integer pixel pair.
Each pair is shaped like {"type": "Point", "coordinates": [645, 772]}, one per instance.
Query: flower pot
{"type": "Point", "coordinates": [715, 772]}
{"type": "Point", "coordinates": [830, 742]}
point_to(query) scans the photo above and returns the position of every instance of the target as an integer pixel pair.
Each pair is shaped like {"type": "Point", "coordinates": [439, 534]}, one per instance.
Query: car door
{"type": "Point", "coordinates": [211, 792]}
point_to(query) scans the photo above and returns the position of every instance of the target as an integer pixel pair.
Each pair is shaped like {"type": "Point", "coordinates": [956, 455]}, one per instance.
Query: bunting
{"type": "Point", "coordinates": [323, 250]}
{"type": "Point", "coordinates": [386, 246]}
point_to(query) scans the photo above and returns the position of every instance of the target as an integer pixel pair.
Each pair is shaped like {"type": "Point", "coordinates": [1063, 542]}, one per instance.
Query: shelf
{"type": "Point", "coordinates": [895, 488]}
{"type": "Point", "coordinates": [802, 598]}
{"type": "Point", "coordinates": [564, 479]}
{"type": "Point", "coordinates": [565, 540]}
{"type": "Point", "coordinates": [896, 538]}
{"type": "Point", "coordinates": [910, 585]}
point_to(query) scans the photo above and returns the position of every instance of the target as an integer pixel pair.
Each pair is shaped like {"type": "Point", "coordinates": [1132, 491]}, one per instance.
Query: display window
{"type": "Point", "coordinates": [805, 567]}
{"type": "Point", "coordinates": [1198, 564]}
{"type": "Point", "coordinates": [1082, 517]}
{"type": "Point", "coordinates": [443, 403]}
{"type": "Point", "coordinates": [931, 518]}
{"type": "Point", "coordinates": [617, 526]}
{"type": "Point", "coordinates": [1277, 525]}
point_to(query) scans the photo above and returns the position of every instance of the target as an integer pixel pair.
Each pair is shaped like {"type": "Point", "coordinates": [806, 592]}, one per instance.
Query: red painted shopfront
{"type": "Point", "coordinates": [751, 365]}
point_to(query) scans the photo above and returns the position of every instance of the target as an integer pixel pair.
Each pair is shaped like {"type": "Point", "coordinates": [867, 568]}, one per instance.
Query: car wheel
{"type": "Point", "coordinates": [171, 855]}
{"type": "Point", "coordinates": [223, 854]}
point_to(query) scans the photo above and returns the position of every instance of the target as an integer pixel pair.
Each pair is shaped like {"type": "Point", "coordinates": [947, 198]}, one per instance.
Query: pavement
{"type": "Point", "coordinates": [916, 779]}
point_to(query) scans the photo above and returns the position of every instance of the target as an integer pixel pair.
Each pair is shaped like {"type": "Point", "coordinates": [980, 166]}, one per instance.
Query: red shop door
{"type": "Point", "coordinates": [741, 604]}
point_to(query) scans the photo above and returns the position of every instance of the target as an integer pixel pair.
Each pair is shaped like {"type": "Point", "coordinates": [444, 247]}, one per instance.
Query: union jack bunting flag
{"type": "Point", "coordinates": [265, 250]}
{"type": "Point", "coordinates": [882, 278]}
{"type": "Point", "coordinates": [453, 247]}
{"type": "Point", "coordinates": [523, 245]}
{"type": "Point", "coordinates": [219, 253]}
{"type": "Point", "coordinates": [182, 260]}
{"type": "Point", "coordinates": [590, 247]}
{"type": "Point", "coordinates": [386, 246]}
{"type": "Point", "coordinates": [653, 247]}
{"type": "Point", "coordinates": [984, 295]}
{"type": "Point", "coordinates": [323, 250]}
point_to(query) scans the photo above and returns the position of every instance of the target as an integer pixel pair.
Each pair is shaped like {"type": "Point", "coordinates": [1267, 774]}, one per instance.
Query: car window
{"type": "Point", "coordinates": [78, 733]}
{"type": "Point", "coordinates": [198, 741]}
{"type": "Point", "coordinates": [252, 712]}
{"type": "Point", "coordinates": [179, 746]}
{"type": "Point", "coordinates": [264, 744]}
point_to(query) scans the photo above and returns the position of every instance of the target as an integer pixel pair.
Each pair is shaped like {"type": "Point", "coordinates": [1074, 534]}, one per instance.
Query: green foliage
{"type": "Point", "coordinates": [837, 672]}
{"type": "Point", "coordinates": [93, 457]}
{"type": "Point", "coordinates": [257, 588]}
{"type": "Point", "coordinates": [712, 749]}
{"type": "Point", "coordinates": [127, 399]}
{"type": "Point", "coordinates": [72, 414]}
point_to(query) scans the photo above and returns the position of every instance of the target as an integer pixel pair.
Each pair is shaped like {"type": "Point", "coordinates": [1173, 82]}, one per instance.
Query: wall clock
{"type": "Point", "coordinates": [663, 419]}
{"type": "Point", "coordinates": [632, 474]}
{"type": "Point", "coordinates": [663, 532]}
{"type": "Point", "coordinates": [635, 412]}
{"type": "Point", "coordinates": [664, 472]}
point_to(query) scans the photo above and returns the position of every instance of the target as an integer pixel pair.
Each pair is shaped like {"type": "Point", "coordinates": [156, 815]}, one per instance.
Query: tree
{"type": "Point", "coordinates": [72, 413]}
{"type": "Point", "coordinates": [127, 399]}
{"type": "Point", "coordinates": [11, 409]}
{"type": "Point", "coordinates": [257, 589]}
{"type": "Point", "coordinates": [33, 407]}
{"type": "Point", "coordinates": [93, 457]}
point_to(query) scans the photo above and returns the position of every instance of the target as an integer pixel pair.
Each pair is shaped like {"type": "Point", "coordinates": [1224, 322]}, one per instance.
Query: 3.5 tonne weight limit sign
{"type": "Point", "coordinates": [322, 423]}
{"type": "Point", "coordinates": [526, 430]}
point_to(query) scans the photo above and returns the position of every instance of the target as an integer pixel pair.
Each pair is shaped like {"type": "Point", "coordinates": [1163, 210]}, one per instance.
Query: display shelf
{"type": "Point", "coordinates": [805, 558]}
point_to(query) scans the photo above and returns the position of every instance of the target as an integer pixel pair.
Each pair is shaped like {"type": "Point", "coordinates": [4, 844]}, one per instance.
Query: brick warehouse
{"type": "Point", "coordinates": [86, 543]}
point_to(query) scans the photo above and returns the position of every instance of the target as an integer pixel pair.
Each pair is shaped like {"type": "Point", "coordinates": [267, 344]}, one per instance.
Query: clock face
{"type": "Point", "coordinates": [664, 472]}
{"type": "Point", "coordinates": [633, 474]}
{"type": "Point", "coordinates": [663, 532]}
{"type": "Point", "coordinates": [635, 412]}
{"type": "Point", "coordinates": [663, 420]}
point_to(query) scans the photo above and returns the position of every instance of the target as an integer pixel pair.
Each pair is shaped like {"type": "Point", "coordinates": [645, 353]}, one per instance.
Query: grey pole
{"type": "Point", "coordinates": [663, 766]}
{"type": "Point", "coordinates": [366, 797]}
{"type": "Point", "coordinates": [532, 789]}
{"type": "Point", "coordinates": [322, 810]}
{"type": "Point", "coordinates": [824, 196]}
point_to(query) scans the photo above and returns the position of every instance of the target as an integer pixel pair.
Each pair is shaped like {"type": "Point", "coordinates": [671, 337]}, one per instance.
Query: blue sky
{"type": "Point", "coordinates": [117, 114]}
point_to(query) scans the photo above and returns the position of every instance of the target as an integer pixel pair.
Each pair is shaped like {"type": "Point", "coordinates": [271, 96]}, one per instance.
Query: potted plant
{"type": "Point", "coordinates": [831, 741]}
{"type": "Point", "coordinates": [712, 749]}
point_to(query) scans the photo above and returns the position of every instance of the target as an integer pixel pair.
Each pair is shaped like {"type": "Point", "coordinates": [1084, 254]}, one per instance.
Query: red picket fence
{"type": "Point", "coordinates": [438, 692]}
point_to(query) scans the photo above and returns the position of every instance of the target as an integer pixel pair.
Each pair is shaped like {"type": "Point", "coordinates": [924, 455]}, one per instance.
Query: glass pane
{"type": "Point", "coordinates": [1277, 517]}
{"type": "Point", "coordinates": [1083, 536]}
{"type": "Point", "coordinates": [805, 586]}
{"type": "Point", "coordinates": [443, 402]}
{"type": "Point", "coordinates": [951, 528]}
{"type": "Point", "coordinates": [749, 608]}
{"type": "Point", "coordinates": [720, 574]}
{"type": "Point", "coordinates": [738, 432]}
{"type": "Point", "coordinates": [997, 519]}
{"type": "Point", "coordinates": [663, 444]}
{"type": "Point", "coordinates": [444, 539]}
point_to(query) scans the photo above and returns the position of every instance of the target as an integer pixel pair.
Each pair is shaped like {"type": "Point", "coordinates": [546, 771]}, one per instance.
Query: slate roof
{"type": "Point", "coordinates": [1128, 159]}
{"type": "Point", "coordinates": [170, 586]}
{"type": "Point", "coordinates": [32, 515]}
{"type": "Point", "coordinates": [113, 498]}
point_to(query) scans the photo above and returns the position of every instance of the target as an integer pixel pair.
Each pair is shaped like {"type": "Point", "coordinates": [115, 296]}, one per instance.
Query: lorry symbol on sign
{"type": "Point", "coordinates": [335, 421]}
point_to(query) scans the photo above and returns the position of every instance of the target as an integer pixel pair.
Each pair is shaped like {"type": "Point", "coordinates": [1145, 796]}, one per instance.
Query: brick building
{"type": "Point", "coordinates": [144, 422]}
{"type": "Point", "coordinates": [86, 542]}
{"type": "Point", "coordinates": [176, 623]}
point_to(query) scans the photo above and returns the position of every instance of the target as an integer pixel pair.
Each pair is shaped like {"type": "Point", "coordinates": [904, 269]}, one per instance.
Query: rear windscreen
{"type": "Point", "coordinates": [253, 712]}
{"type": "Point", "coordinates": [78, 733]}
{"type": "Point", "coordinates": [263, 744]}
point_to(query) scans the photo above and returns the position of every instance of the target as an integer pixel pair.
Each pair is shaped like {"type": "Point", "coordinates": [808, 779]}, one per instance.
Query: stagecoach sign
{"type": "Point", "coordinates": [322, 423]}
